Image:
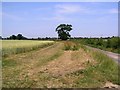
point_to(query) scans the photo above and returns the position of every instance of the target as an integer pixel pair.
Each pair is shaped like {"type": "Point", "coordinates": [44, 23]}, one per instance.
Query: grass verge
{"type": "Point", "coordinates": [97, 75]}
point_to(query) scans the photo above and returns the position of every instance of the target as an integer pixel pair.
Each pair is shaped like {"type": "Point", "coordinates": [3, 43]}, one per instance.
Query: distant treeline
{"type": "Point", "coordinates": [85, 39]}
{"type": "Point", "coordinates": [14, 37]}
{"type": "Point", "coordinates": [21, 37]}
{"type": "Point", "coordinates": [108, 43]}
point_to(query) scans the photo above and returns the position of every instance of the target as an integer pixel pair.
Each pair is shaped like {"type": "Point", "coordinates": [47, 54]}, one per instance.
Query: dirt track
{"type": "Point", "coordinates": [114, 56]}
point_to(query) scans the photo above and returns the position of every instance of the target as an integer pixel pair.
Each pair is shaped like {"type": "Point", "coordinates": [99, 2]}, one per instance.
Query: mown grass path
{"type": "Point", "coordinates": [21, 65]}
{"type": "Point", "coordinates": [54, 67]}
{"type": "Point", "coordinates": [37, 68]}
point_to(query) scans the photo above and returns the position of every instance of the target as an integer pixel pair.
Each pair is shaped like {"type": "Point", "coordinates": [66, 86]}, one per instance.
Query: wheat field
{"type": "Point", "coordinates": [21, 46]}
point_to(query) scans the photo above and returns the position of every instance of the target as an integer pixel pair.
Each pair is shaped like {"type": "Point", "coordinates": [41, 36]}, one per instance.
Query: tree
{"type": "Point", "coordinates": [108, 43]}
{"type": "Point", "coordinates": [13, 37]}
{"type": "Point", "coordinates": [115, 42]}
{"type": "Point", "coordinates": [63, 31]}
{"type": "Point", "coordinates": [100, 41]}
{"type": "Point", "coordinates": [19, 36]}
{"type": "Point", "coordinates": [0, 37]}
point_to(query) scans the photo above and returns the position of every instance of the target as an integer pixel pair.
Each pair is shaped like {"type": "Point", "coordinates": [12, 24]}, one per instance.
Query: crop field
{"type": "Point", "coordinates": [55, 64]}
{"type": "Point", "coordinates": [19, 46]}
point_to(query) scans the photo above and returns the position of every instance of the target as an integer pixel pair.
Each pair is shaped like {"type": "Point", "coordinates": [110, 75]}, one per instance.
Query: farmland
{"type": "Point", "coordinates": [19, 46]}
{"type": "Point", "coordinates": [59, 45]}
{"type": "Point", "coordinates": [55, 64]}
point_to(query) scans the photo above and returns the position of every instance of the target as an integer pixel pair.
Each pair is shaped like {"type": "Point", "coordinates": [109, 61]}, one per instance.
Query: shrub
{"type": "Point", "coordinates": [69, 45]}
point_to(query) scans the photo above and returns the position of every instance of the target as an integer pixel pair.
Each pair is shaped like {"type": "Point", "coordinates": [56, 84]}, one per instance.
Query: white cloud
{"type": "Point", "coordinates": [67, 8]}
{"type": "Point", "coordinates": [63, 10]}
{"type": "Point", "coordinates": [60, 11]}
{"type": "Point", "coordinates": [58, 18]}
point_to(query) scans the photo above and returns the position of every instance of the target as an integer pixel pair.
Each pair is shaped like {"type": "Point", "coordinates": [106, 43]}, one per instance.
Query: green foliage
{"type": "Point", "coordinates": [110, 44]}
{"type": "Point", "coordinates": [97, 75]}
{"type": "Point", "coordinates": [83, 47]}
{"type": "Point", "coordinates": [75, 47]}
{"type": "Point", "coordinates": [18, 37]}
{"type": "Point", "coordinates": [107, 67]}
{"type": "Point", "coordinates": [13, 37]}
{"type": "Point", "coordinates": [63, 31]}
{"type": "Point", "coordinates": [70, 45]}
{"type": "Point", "coordinates": [8, 63]}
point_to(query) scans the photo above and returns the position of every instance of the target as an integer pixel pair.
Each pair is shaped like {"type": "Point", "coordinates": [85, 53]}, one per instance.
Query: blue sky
{"type": "Point", "coordinates": [39, 19]}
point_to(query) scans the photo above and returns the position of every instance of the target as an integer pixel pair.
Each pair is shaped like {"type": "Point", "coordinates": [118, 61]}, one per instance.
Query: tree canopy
{"type": "Point", "coordinates": [63, 31]}
{"type": "Point", "coordinates": [18, 37]}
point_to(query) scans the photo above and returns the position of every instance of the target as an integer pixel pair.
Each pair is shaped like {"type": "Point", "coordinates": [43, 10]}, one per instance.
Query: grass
{"type": "Point", "coordinates": [21, 46]}
{"type": "Point", "coordinates": [9, 63]}
{"type": "Point", "coordinates": [48, 59]}
{"type": "Point", "coordinates": [109, 68]}
{"type": "Point", "coordinates": [69, 45]}
{"type": "Point", "coordinates": [97, 75]}
{"type": "Point", "coordinates": [23, 64]}
{"type": "Point", "coordinates": [24, 70]}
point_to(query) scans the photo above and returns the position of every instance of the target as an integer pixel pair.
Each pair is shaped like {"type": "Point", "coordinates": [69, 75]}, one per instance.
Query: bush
{"type": "Point", "coordinates": [69, 45]}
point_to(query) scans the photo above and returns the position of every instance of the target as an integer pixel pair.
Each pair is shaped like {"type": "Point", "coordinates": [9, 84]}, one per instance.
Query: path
{"type": "Point", "coordinates": [114, 56]}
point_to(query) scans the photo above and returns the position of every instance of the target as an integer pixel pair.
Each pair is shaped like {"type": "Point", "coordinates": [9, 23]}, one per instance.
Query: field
{"type": "Point", "coordinates": [20, 46]}
{"type": "Point", "coordinates": [55, 64]}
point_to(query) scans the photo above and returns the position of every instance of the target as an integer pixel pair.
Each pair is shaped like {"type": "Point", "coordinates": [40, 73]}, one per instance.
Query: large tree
{"type": "Point", "coordinates": [63, 31]}
{"type": "Point", "coordinates": [13, 37]}
{"type": "Point", "coordinates": [19, 36]}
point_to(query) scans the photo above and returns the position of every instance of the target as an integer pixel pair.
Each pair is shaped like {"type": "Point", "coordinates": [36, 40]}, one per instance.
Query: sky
{"type": "Point", "coordinates": [40, 19]}
{"type": "Point", "coordinates": [60, 0]}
